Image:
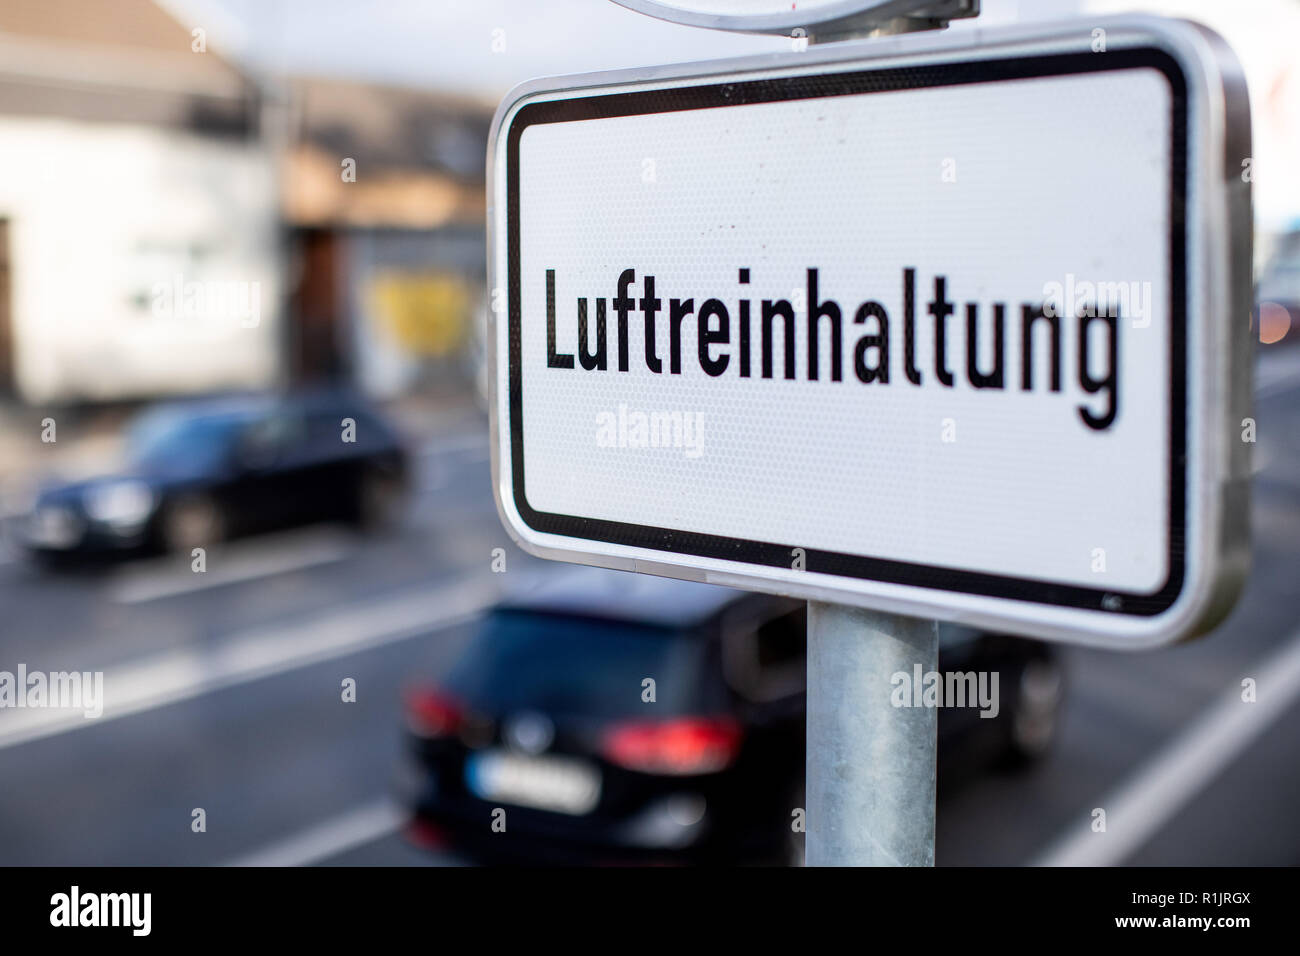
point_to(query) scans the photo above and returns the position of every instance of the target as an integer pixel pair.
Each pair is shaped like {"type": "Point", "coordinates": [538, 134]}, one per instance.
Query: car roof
{"type": "Point", "coordinates": [624, 596]}
{"type": "Point", "coordinates": [220, 406]}
{"type": "Point", "coordinates": [648, 599]}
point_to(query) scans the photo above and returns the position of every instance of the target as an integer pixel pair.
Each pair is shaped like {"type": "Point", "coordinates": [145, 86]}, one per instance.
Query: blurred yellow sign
{"type": "Point", "coordinates": [427, 313]}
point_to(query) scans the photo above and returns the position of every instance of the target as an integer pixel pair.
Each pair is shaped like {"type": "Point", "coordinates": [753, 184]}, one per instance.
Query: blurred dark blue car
{"type": "Point", "coordinates": [547, 715]}
{"type": "Point", "coordinates": [204, 471]}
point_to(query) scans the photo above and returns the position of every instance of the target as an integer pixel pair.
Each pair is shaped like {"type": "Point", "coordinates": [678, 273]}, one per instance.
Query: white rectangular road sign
{"type": "Point", "coordinates": [942, 328]}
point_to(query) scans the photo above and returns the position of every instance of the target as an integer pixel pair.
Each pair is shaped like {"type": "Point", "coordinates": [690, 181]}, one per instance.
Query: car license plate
{"type": "Point", "coordinates": [53, 528]}
{"type": "Point", "coordinates": [561, 784]}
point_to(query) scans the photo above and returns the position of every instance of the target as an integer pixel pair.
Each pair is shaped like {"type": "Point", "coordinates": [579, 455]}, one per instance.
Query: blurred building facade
{"type": "Point", "coordinates": [384, 200]}
{"type": "Point", "coordinates": [137, 204]}
{"type": "Point", "coordinates": [171, 224]}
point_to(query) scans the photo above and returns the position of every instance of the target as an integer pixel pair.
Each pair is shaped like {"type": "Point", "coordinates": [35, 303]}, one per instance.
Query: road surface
{"type": "Point", "coordinates": [223, 693]}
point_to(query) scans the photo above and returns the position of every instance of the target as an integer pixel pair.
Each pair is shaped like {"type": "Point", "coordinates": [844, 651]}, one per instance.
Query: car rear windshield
{"type": "Point", "coordinates": [579, 666]}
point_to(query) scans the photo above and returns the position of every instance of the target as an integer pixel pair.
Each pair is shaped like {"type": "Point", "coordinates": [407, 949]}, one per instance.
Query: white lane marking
{"type": "Point", "coordinates": [1275, 388]}
{"type": "Point", "coordinates": [1138, 808]}
{"type": "Point", "coordinates": [1276, 372]}
{"type": "Point", "coordinates": [347, 831]}
{"type": "Point", "coordinates": [245, 561]}
{"type": "Point", "coordinates": [260, 652]}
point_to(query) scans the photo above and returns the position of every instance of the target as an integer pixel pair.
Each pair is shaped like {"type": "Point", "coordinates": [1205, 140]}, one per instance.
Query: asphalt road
{"type": "Point", "coordinates": [223, 692]}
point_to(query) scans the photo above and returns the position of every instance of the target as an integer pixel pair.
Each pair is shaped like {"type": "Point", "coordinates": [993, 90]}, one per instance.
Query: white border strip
{"type": "Point", "coordinates": [262, 652]}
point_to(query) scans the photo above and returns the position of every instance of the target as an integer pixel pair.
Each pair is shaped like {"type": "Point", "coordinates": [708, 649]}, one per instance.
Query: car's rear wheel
{"type": "Point", "coordinates": [1033, 724]}
{"type": "Point", "coordinates": [193, 521]}
{"type": "Point", "coordinates": [381, 496]}
{"type": "Point", "coordinates": [794, 842]}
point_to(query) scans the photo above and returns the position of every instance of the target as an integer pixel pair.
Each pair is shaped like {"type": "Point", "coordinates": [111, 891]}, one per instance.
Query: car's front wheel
{"type": "Point", "coordinates": [192, 521]}
{"type": "Point", "coordinates": [381, 496]}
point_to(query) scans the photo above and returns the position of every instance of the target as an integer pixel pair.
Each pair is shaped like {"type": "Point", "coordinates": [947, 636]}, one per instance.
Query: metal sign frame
{"type": "Point", "coordinates": [1211, 338]}
{"type": "Point", "coordinates": [840, 18]}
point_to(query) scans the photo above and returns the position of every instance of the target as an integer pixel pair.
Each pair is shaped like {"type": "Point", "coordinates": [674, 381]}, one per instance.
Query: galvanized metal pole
{"type": "Point", "coordinates": [870, 765]}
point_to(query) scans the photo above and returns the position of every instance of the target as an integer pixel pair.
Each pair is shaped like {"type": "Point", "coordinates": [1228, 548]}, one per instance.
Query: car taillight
{"type": "Point", "coordinates": [426, 835]}
{"type": "Point", "coordinates": [432, 713]}
{"type": "Point", "coordinates": [688, 745]}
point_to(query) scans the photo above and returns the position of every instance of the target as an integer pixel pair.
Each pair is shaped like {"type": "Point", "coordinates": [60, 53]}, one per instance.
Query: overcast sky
{"type": "Point", "coordinates": [448, 43]}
